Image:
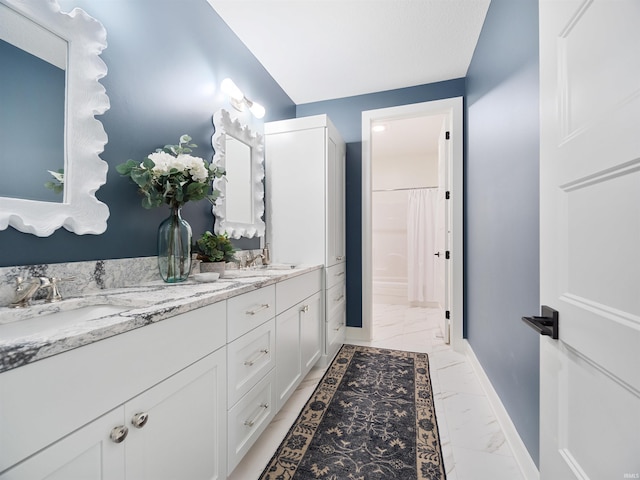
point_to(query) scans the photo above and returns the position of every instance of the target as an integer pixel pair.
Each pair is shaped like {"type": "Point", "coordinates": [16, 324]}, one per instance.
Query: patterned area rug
{"type": "Point", "coordinates": [370, 418]}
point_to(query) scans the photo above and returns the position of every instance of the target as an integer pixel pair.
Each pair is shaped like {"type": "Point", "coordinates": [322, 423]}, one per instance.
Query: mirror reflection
{"type": "Point", "coordinates": [240, 152]}
{"type": "Point", "coordinates": [32, 95]}
{"type": "Point", "coordinates": [238, 192]}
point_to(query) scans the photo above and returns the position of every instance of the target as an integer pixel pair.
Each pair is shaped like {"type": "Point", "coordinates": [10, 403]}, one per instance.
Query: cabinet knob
{"type": "Point", "coordinates": [118, 434]}
{"type": "Point", "coordinates": [339, 258]}
{"type": "Point", "coordinates": [305, 309]}
{"type": "Point", "coordinates": [140, 419]}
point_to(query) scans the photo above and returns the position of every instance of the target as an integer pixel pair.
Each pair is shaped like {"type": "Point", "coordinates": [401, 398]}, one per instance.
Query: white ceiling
{"type": "Point", "coordinates": [415, 136]}
{"type": "Point", "coordinates": [325, 49]}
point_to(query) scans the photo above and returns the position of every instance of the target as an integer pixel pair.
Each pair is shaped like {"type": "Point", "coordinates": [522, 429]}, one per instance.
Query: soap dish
{"type": "Point", "coordinates": [206, 277]}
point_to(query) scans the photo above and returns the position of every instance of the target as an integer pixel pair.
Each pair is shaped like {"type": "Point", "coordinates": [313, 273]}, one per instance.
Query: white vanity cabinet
{"type": "Point", "coordinates": [299, 326]}
{"type": "Point", "coordinates": [183, 397]}
{"type": "Point", "coordinates": [251, 353]}
{"type": "Point", "coordinates": [305, 184]}
{"type": "Point", "coordinates": [336, 308]}
{"type": "Point", "coordinates": [76, 411]}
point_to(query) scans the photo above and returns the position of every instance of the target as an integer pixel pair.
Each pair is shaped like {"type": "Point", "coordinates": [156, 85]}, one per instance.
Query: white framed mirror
{"type": "Point", "coordinates": [69, 45]}
{"type": "Point", "coordinates": [240, 152]}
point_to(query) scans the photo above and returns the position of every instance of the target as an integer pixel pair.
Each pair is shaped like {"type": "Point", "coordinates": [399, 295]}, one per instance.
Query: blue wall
{"type": "Point", "coordinates": [501, 208]}
{"type": "Point", "coordinates": [346, 114]}
{"type": "Point", "coordinates": [163, 58]}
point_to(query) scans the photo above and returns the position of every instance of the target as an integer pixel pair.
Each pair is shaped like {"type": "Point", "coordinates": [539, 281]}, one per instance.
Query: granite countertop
{"type": "Point", "coordinates": [43, 330]}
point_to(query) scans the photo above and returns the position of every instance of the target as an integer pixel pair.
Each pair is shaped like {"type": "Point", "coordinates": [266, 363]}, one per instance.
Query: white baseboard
{"type": "Point", "coordinates": [357, 334]}
{"type": "Point", "coordinates": [525, 462]}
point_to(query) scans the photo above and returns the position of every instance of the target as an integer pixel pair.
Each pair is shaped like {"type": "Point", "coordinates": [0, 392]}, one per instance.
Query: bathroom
{"type": "Point", "coordinates": [409, 218]}
{"type": "Point", "coordinates": [164, 83]}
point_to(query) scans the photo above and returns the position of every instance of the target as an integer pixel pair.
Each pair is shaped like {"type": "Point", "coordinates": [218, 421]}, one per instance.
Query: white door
{"type": "Point", "coordinates": [590, 238]}
{"type": "Point", "coordinates": [443, 227]}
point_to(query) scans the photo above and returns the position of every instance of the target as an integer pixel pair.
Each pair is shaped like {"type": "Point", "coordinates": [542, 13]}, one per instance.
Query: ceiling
{"type": "Point", "coordinates": [326, 49]}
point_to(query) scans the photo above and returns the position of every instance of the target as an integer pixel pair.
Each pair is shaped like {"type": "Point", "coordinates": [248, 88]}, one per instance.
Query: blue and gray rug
{"type": "Point", "coordinates": [370, 418]}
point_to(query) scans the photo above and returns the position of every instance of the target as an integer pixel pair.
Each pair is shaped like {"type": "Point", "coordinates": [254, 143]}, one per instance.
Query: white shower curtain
{"type": "Point", "coordinates": [421, 245]}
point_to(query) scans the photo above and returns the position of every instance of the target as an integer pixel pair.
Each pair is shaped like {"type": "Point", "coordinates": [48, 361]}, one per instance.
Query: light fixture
{"type": "Point", "coordinates": [380, 127]}
{"type": "Point", "coordinates": [238, 100]}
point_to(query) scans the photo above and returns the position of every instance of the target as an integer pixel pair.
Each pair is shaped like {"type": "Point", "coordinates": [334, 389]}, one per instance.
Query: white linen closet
{"type": "Point", "coordinates": [305, 208]}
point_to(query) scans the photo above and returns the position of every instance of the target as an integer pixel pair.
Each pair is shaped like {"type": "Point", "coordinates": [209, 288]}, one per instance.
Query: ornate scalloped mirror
{"type": "Point", "coordinates": [67, 141]}
{"type": "Point", "coordinates": [240, 152]}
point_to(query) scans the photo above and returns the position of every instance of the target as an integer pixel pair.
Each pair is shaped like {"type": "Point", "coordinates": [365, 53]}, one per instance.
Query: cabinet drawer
{"type": "Point", "coordinates": [249, 417]}
{"type": "Point", "coordinates": [293, 290]}
{"type": "Point", "coordinates": [336, 331]}
{"type": "Point", "coordinates": [51, 398]}
{"type": "Point", "coordinates": [335, 299]}
{"type": "Point", "coordinates": [245, 312]}
{"type": "Point", "coordinates": [336, 274]}
{"type": "Point", "coordinates": [249, 358]}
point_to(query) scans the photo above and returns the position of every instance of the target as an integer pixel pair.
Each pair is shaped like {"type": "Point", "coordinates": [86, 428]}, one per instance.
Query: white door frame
{"type": "Point", "coordinates": [453, 108]}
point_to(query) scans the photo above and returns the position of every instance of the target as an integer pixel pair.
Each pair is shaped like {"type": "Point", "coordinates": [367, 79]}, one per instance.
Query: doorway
{"type": "Point", "coordinates": [451, 112]}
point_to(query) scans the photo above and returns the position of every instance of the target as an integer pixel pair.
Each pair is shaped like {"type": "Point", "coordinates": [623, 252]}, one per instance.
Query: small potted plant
{"type": "Point", "coordinates": [214, 251]}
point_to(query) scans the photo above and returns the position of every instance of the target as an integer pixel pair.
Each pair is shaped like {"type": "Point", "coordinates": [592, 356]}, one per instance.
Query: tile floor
{"type": "Point", "coordinates": [473, 444]}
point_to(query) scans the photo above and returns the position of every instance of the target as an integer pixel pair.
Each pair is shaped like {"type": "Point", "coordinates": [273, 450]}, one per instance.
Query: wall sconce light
{"type": "Point", "coordinates": [238, 100]}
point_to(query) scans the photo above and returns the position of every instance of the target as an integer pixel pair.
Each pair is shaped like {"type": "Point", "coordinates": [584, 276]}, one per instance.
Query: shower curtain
{"type": "Point", "coordinates": [421, 245]}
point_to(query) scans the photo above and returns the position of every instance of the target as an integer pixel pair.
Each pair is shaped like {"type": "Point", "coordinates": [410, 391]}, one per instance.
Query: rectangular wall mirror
{"type": "Point", "coordinates": [240, 152]}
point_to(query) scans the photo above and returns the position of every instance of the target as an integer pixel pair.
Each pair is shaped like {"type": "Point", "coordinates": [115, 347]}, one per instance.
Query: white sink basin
{"type": "Point", "coordinates": [59, 319]}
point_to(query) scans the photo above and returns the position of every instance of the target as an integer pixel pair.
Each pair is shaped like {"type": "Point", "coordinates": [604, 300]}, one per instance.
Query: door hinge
{"type": "Point", "coordinates": [447, 315]}
{"type": "Point", "coordinates": [447, 255]}
{"type": "Point", "coordinates": [447, 195]}
{"type": "Point", "coordinates": [447, 135]}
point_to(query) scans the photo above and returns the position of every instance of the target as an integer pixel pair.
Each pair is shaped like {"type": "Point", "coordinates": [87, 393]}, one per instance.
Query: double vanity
{"type": "Point", "coordinates": [131, 378]}
{"type": "Point", "coordinates": [155, 381]}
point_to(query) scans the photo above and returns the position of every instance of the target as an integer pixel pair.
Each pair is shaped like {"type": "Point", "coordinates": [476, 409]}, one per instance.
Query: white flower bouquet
{"type": "Point", "coordinates": [172, 176]}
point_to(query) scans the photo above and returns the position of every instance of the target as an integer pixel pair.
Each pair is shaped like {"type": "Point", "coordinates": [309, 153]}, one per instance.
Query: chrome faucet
{"type": "Point", "coordinates": [251, 260]}
{"type": "Point", "coordinates": [27, 288]}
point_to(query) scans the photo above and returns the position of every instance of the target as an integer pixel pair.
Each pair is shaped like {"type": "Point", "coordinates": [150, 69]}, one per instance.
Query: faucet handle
{"type": "Point", "coordinates": [52, 283]}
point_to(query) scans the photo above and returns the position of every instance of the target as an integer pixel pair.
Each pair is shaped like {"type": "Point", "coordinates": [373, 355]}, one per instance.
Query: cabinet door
{"type": "Point", "coordinates": [296, 195]}
{"type": "Point", "coordinates": [335, 203]}
{"type": "Point", "coordinates": [288, 364]}
{"type": "Point", "coordinates": [311, 323]}
{"type": "Point", "coordinates": [87, 454]}
{"type": "Point", "coordinates": [184, 434]}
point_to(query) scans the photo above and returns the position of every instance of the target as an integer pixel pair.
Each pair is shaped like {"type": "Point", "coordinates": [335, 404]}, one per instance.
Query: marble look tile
{"type": "Point", "coordinates": [472, 464]}
{"type": "Point", "coordinates": [472, 423]}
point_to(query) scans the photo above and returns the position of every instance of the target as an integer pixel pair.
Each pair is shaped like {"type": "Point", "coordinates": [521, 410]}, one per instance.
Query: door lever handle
{"type": "Point", "coordinates": [546, 323]}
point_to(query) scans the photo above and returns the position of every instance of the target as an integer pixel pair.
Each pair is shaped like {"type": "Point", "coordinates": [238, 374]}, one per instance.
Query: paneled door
{"type": "Point", "coordinates": [590, 238]}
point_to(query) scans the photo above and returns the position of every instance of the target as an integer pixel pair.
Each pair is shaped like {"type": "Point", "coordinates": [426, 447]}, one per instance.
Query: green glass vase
{"type": "Point", "coordinates": [174, 247]}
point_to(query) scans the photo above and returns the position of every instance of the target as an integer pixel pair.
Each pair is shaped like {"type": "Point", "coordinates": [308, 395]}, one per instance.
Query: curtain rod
{"type": "Point", "coordinates": [401, 189]}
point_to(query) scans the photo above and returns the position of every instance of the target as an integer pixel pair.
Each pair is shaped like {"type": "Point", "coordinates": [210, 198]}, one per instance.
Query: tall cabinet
{"type": "Point", "coordinates": [305, 191]}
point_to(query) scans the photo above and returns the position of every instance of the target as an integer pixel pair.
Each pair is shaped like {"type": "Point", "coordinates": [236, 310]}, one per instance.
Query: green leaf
{"type": "Point", "coordinates": [148, 163]}
{"type": "Point", "coordinates": [125, 168]}
{"type": "Point", "coordinates": [141, 177]}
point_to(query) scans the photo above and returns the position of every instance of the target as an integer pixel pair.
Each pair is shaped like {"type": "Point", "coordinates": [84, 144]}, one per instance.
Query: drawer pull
{"type": "Point", "coordinates": [261, 353]}
{"type": "Point", "coordinates": [118, 434]}
{"type": "Point", "coordinates": [305, 309]}
{"type": "Point", "coordinates": [139, 420]}
{"type": "Point", "coordinates": [340, 326]}
{"type": "Point", "coordinates": [339, 274]}
{"type": "Point", "coordinates": [339, 298]}
{"type": "Point", "coordinates": [264, 306]}
{"type": "Point", "coordinates": [252, 422]}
